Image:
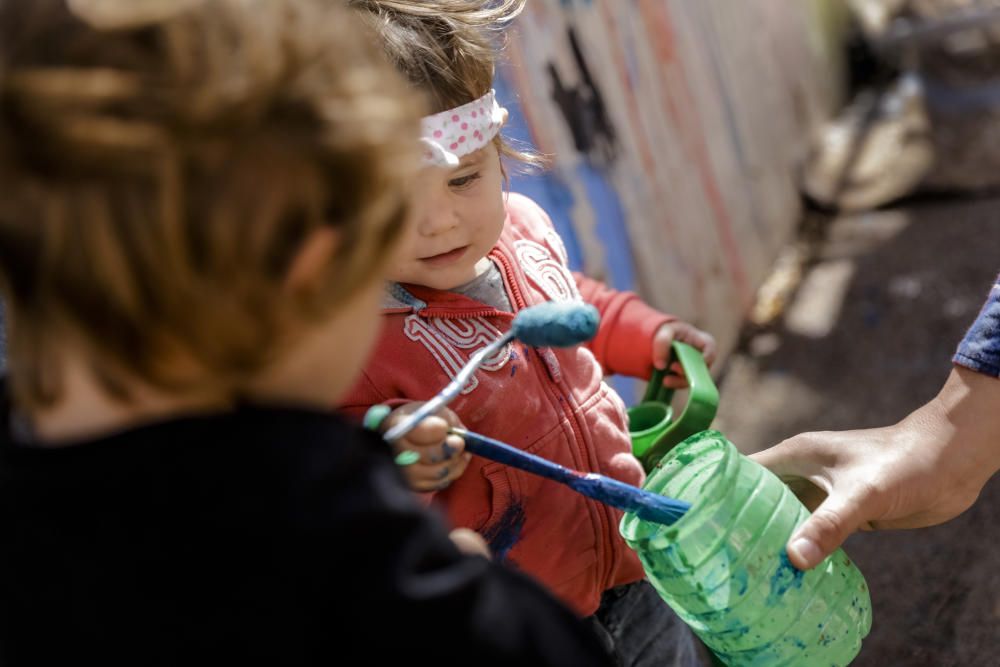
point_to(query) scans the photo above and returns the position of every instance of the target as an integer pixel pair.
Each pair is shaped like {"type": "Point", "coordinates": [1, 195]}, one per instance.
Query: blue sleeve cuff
{"type": "Point", "coordinates": [980, 350]}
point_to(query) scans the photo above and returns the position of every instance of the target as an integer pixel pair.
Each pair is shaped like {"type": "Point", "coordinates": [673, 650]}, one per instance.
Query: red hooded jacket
{"type": "Point", "coordinates": [552, 403]}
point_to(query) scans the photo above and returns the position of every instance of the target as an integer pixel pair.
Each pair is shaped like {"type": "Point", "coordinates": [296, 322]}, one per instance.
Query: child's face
{"type": "Point", "coordinates": [460, 214]}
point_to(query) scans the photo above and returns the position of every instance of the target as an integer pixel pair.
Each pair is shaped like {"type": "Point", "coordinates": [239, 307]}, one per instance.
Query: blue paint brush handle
{"type": "Point", "coordinates": [648, 506]}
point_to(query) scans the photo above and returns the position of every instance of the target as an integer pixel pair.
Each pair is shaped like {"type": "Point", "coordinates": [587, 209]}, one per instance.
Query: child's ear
{"type": "Point", "coordinates": [312, 258]}
{"type": "Point", "coordinates": [506, 117]}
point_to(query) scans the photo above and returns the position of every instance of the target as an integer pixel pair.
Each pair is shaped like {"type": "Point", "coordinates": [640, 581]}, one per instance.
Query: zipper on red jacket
{"type": "Point", "coordinates": [444, 314]}
{"type": "Point", "coordinates": [608, 524]}
{"type": "Point", "coordinates": [581, 454]}
{"type": "Point", "coordinates": [508, 271]}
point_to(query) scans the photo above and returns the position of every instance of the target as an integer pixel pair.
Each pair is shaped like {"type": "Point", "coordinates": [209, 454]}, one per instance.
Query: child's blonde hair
{"type": "Point", "coordinates": [163, 160]}
{"type": "Point", "coordinates": [447, 49]}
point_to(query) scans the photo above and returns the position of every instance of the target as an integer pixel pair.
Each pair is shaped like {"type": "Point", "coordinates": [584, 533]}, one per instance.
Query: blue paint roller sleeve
{"type": "Point", "coordinates": [557, 324]}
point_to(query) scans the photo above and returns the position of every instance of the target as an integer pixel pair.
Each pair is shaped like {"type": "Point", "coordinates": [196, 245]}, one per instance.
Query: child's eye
{"type": "Point", "coordinates": [464, 181]}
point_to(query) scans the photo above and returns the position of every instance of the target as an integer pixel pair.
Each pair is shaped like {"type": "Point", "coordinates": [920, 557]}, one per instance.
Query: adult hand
{"type": "Point", "coordinates": [925, 470]}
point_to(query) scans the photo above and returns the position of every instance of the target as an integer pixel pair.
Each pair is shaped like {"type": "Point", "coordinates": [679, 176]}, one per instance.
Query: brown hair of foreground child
{"type": "Point", "coordinates": [199, 201]}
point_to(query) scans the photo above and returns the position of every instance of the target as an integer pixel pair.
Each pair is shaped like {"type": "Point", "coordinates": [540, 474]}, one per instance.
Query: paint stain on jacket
{"type": "Point", "coordinates": [505, 532]}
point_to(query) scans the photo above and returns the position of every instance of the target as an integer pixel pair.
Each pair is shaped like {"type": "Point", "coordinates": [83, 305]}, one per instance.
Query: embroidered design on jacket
{"type": "Point", "coordinates": [453, 342]}
{"type": "Point", "coordinates": [546, 272]}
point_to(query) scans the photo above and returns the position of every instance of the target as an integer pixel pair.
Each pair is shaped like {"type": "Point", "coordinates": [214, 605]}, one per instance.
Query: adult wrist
{"type": "Point", "coordinates": [968, 409]}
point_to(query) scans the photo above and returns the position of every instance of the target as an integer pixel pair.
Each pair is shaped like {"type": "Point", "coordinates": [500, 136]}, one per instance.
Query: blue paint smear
{"type": "Point", "coordinates": [547, 190]}
{"type": "Point", "coordinates": [785, 578]}
{"type": "Point", "coordinates": [556, 199]}
{"type": "Point", "coordinates": [734, 626]}
{"type": "Point", "coordinates": [611, 230]}
{"type": "Point", "coordinates": [613, 235]}
{"type": "Point", "coordinates": [505, 532]}
{"type": "Point", "coordinates": [742, 579]}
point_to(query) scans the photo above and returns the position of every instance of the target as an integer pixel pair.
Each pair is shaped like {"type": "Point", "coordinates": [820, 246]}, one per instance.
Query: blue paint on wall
{"type": "Point", "coordinates": [544, 187]}
{"type": "Point", "coordinates": [611, 229]}
{"type": "Point", "coordinates": [556, 199]}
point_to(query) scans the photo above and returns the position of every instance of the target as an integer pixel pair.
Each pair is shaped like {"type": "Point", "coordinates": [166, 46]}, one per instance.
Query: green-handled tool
{"type": "Point", "coordinates": [652, 426]}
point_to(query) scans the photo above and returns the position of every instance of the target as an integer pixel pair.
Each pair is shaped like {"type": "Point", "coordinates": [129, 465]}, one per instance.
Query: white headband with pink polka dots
{"type": "Point", "coordinates": [452, 134]}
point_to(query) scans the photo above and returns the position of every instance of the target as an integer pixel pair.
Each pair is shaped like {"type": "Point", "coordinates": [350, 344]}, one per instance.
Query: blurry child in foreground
{"type": "Point", "coordinates": [200, 199]}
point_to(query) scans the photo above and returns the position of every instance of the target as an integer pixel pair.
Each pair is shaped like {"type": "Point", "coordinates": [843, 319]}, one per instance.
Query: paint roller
{"type": "Point", "coordinates": [552, 324]}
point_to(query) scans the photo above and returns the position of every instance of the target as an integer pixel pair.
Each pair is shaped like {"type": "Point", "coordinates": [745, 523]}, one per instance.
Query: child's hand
{"type": "Point", "coordinates": [443, 458]}
{"type": "Point", "coordinates": [686, 333]}
{"type": "Point", "coordinates": [470, 543]}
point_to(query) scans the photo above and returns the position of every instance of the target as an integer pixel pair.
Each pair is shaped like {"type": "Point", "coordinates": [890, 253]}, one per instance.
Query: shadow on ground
{"type": "Point", "coordinates": [868, 338]}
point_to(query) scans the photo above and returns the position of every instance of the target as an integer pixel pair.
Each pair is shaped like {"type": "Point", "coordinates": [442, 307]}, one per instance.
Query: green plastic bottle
{"type": "Point", "coordinates": [723, 567]}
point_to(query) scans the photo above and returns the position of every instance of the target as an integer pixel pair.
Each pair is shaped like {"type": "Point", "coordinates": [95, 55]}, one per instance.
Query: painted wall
{"type": "Point", "coordinates": [674, 127]}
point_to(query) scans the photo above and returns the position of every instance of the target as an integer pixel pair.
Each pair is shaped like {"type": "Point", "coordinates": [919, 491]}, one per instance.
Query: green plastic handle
{"type": "Point", "coordinates": [652, 441]}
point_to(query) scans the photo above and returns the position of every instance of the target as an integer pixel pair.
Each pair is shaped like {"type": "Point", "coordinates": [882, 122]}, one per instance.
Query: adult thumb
{"type": "Point", "coordinates": [832, 522]}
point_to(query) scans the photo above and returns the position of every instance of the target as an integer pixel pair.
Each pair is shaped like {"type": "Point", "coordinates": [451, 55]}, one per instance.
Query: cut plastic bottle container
{"type": "Point", "coordinates": [724, 570]}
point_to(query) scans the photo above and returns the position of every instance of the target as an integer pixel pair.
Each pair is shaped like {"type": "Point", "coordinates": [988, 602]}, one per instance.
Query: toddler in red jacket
{"type": "Point", "coordinates": [477, 257]}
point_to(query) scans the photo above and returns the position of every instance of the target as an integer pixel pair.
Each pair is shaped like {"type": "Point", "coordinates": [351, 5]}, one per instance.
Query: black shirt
{"type": "Point", "coordinates": [262, 535]}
